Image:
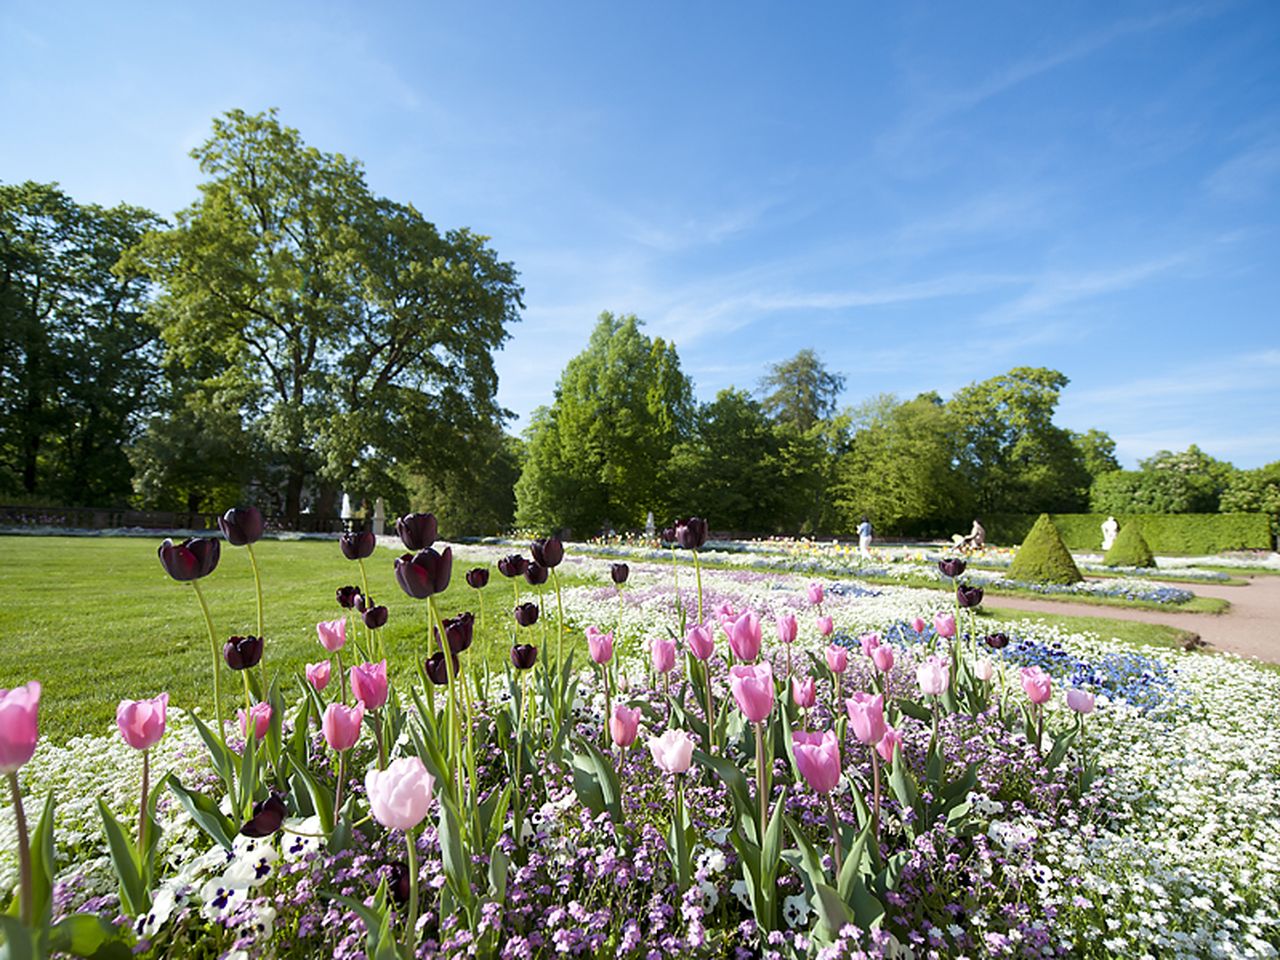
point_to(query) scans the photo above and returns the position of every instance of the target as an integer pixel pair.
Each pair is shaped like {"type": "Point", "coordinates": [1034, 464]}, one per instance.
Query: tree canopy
{"type": "Point", "coordinates": [801, 391]}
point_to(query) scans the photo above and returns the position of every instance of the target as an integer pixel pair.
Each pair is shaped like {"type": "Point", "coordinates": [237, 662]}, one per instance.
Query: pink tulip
{"type": "Point", "coordinates": [752, 688]}
{"type": "Point", "coordinates": [318, 674]}
{"type": "Point", "coordinates": [1081, 701]}
{"type": "Point", "coordinates": [892, 738]}
{"type": "Point", "coordinates": [985, 670]}
{"type": "Point", "coordinates": [663, 653]}
{"type": "Point", "coordinates": [600, 646]}
{"type": "Point", "coordinates": [826, 626]}
{"type": "Point", "coordinates": [817, 758]}
{"type": "Point", "coordinates": [804, 692]}
{"type": "Point", "coordinates": [141, 722]}
{"type": "Point", "coordinates": [400, 796]}
{"type": "Point", "coordinates": [944, 624]}
{"type": "Point", "coordinates": [725, 611]}
{"type": "Point", "coordinates": [701, 640]}
{"type": "Point", "coordinates": [934, 675]}
{"type": "Point", "coordinates": [624, 724]}
{"type": "Point", "coordinates": [837, 659]}
{"type": "Point", "coordinates": [918, 624]}
{"type": "Point", "coordinates": [332, 634]}
{"type": "Point", "coordinates": [787, 628]}
{"type": "Point", "coordinates": [866, 713]}
{"type": "Point", "coordinates": [19, 726]}
{"type": "Point", "coordinates": [882, 657]}
{"type": "Point", "coordinates": [816, 593]}
{"type": "Point", "coordinates": [260, 715]}
{"type": "Point", "coordinates": [869, 642]}
{"type": "Point", "coordinates": [672, 752]}
{"type": "Point", "coordinates": [341, 725]}
{"type": "Point", "coordinates": [1037, 685]}
{"type": "Point", "coordinates": [369, 683]}
{"type": "Point", "coordinates": [744, 637]}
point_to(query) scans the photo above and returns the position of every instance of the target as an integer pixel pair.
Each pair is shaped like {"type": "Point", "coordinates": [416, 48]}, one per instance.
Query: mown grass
{"type": "Point", "coordinates": [96, 620]}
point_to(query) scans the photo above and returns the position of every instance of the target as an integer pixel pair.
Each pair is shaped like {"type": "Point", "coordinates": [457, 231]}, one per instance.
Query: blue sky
{"type": "Point", "coordinates": [926, 194]}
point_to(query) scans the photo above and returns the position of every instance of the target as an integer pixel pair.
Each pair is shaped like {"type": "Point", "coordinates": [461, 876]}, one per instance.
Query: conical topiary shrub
{"type": "Point", "coordinates": [1043, 557]}
{"type": "Point", "coordinates": [1130, 549]}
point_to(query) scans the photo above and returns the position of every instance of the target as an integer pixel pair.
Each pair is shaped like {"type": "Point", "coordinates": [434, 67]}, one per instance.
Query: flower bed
{"type": "Point", "coordinates": [877, 780]}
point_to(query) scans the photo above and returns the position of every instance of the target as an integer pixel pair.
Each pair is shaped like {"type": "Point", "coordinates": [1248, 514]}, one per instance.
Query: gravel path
{"type": "Point", "coordinates": [1251, 627]}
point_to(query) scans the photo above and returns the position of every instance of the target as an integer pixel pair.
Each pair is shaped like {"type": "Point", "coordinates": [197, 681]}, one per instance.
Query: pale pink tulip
{"type": "Point", "coordinates": [600, 646]}
{"type": "Point", "coordinates": [892, 738]}
{"type": "Point", "coordinates": [701, 640]}
{"type": "Point", "coordinates": [369, 683]}
{"type": "Point", "coordinates": [752, 688]}
{"type": "Point", "coordinates": [826, 626]}
{"type": "Point", "coordinates": [804, 692]}
{"type": "Point", "coordinates": [624, 724]}
{"type": "Point", "coordinates": [817, 758]}
{"type": "Point", "coordinates": [341, 725]}
{"type": "Point", "coordinates": [869, 642]}
{"type": "Point", "coordinates": [918, 624]}
{"type": "Point", "coordinates": [332, 634]}
{"type": "Point", "coordinates": [663, 654]}
{"type": "Point", "coordinates": [837, 658]}
{"type": "Point", "coordinates": [19, 725]}
{"type": "Point", "coordinates": [787, 628]}
{"type": "Point", "coordinates": [725, 611]}
{"type": "Point", "coordinates": [985, 670]}
{"type": "Point", "coordinates": [1081, 701]}
{"type": "Point", "coordinates": [318, 674]}
{"type": "Point", "coordinates": [944, 624]}
{"type": "Point", "coordinates": [882, 657]}
{"type": "Point", "coordinates": [672, 752]}
{"type": "Point", "coordinates": [866, 713]}
{"type": "Point", "coordinates": [400, 796]}
{"type": "Point", "coordinates": [744, 636]}
{"type": "Point", "coordinates": [142, 722]}
{"type": "Point", "coordinates": [816, 593]}
{"type": "Point", "coordinates": [1037, 685]}
{"type": "Point", "coordinates": [260, 715]}
{"type": "Point", "coordinates": [934, 675]}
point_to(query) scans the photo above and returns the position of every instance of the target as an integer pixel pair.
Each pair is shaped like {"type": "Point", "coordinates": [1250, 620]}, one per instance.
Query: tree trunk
{"type": "Point", "coordinates": [293, 496]}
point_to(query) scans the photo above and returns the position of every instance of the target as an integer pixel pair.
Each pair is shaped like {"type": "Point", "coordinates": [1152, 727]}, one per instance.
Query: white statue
{"type": "Point", "coordinates": [648, 526]}
{"type": "Point", "coordinates": [379, 517]}
{"type": "Point", "coordinates": [1109, 530]}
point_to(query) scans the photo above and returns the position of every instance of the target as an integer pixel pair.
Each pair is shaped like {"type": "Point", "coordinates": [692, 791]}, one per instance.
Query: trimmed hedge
{"type": "Point", "coordinates": [1043, 557]}
{"type": "Point", "coordinates": [1171, 534]}
{"type": "Point", "coordinates": [1130, 549]}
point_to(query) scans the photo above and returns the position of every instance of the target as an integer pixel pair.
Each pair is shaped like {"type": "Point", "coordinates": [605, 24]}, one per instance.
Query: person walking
{"type": "Point", "coordinates": [864, 538]}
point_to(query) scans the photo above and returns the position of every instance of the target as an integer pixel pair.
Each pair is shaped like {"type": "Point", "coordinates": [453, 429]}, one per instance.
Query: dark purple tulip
{"type": "Point", "coordinates": [241, 653]}
{"type": "Point", "coordinates": [458, 630]}
{"type": "Point", "coordinates": [417, 530]}
{"type": "Point", "coordinates": [968, 596]}
{"type": "Point", "coordinates": [536, 574]}
{"type": "Point", "coordinates": [691, 533]}
{"type": "Point", "coordinates": [548, 552]}
{"type": "Point", "coordinates": [358, 546]}
{"type": "Point", "coordinates": [998, 641]}
{"type": "Point", "coordinates": [191, 559]}
{"type": "Point", "coordinates": [425, 573]}
{"type": "Point", "coordinates": [524, 655]}
{"type": "Point", "coordinates": [512, 566]}
{"type": "Point", "coordinates": [348, 596]}
{"type": "Point", "coordinates": [619, 572]}
{"type": "Point", "coordinates": [527, 614]}
{"type": "Point", "coordinates": [241, 526]}
{"type": "Point", "coordinates": [952, 566]}
{"type": "Point", "coordinates": [478, 577]}
{"type": "Point", "coordinates": [437, 671]}
{"type": "Point", "coordinates": [398, 882]}
{"type": "Point", "coordinates": [375, 617]}
{"type": "Point", "coordinates": [268, 817]}
{"type": "Point", "coordinates": [668, 535]}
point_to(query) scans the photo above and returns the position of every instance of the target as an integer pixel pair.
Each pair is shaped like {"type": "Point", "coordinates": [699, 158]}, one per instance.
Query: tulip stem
{"type": "Point", "coordinates": [875, 794]}
{"type": "Point", "coordinates": [24, 851]}
{"type": "Point", "coordinates": [760, 780]}
{"type": "Point", "coordinates": [142, 814]}
{"type": "Point", "coordinates": [555, 578]}
{"type": "Point", "coordinates": [248, 697]}
{"type": "Point", "coordinates": [697, 569]}
{"type": "Point", "coordinates": [217, 660]}
{"type": "Point", "coordinates": [368, 630]}
{"type": "Point", "coordinates": [342, 679]}
{"type": "Point", "coordinates": [411, 933]}
{"type": "Point", "coordinates": [446, 653]}
{"type": "Point", "coordinates": [835, 832]}
{"type": "Point", "coordinates": [342, 776]}
{"type": "Point", "coordinates": [257, 582]}
{"type": "Point", "coordinates": [711, 714]}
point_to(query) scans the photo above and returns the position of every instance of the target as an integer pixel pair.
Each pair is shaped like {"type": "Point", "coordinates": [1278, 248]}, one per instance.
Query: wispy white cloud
{"type": "Point", "coordinates": [1250, 175]}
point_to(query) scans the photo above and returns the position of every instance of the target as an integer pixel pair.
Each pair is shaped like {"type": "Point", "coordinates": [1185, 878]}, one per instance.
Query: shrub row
{"type": "Point", "coordinates": [1177, 534]}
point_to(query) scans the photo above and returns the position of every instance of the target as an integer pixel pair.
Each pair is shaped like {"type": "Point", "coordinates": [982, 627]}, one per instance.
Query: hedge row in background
{"type": "Point", "coordinates": [1175, 534]}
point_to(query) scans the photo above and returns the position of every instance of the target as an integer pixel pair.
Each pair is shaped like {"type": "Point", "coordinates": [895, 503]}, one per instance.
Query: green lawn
{"type": "Point", "coordinates": [96, 620]}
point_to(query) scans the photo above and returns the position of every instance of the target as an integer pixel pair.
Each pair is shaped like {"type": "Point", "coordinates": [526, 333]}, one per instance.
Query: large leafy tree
{"type": "Point", "coordinates": [801, 391]}
{"type": "Point", "coordinates": [1255, 491]}
{"type": "Point", "coordinates": [1190, 481]}
{"type": "Point", "coordinates": [600, 453]}
{"type": "Point", "coordinates": [1012, 456]}
{"type": "Point", "coordinates": [364, 334]}
{"type": "Point", "coordinates": [76, 357]}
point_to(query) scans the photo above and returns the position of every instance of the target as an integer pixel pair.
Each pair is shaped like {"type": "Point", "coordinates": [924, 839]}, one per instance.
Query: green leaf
{"type": "Point", "coordinates": [134, 896]}
{"type": "Point", "coordinates": [1059, 751]}
{"type": "Point", "coordinates": [222, 757]}
{"type": "Point", "coordinates": [855, 864]}
{"type": "Point", "coordinates": [248, 774]}
{"type": "Point", "coordinates": [321, 796]}
{"type": "Point", "coordinates": [833, 913]}
{"type": "Point", "coordinates": [453, 855]}
{"type": "Point", "coordinates": [379, 943]}
{"type": "Point", "coordinates": [904, 789]}
{"type": "Point", "coordinates": [88, 935]}
{"type": "Point", "coordinates": [739, 792]}
{"type": "Point", "coordinates": [915, 711]}
{"type": "Point", "coordinates": [499, 870]}
{"type": "Point", "coordinates": [805, 859]}
{"type": "Point", "coordinates": [43, 864]}
{"type": "Point", "coordinates": [205, 813]}
{"type": "Point", "coordinates": [596, 782]}
{"type": "Point", "coordinates": [18, 944]}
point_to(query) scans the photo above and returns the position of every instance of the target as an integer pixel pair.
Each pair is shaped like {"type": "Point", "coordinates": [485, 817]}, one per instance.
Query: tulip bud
{"type": "Point", "coordinates": [536, 574]}
{"type": "Point", "coordinates": [524, 655]}
{"type": "Point", "coordinates": [417, 531]}
{"type": "Point", "coordinates": [268, 817]}
{"type": "Point", "coordinates": [547, 553]}
{"type": "Point", "coordinates": [998, 641]}
{"type": "Point", "coordinates": [425, 573]}
{"type": "Point", "coordinates": [985, 670]}
{"type": "Point", "coordinates": [458, 631]}
{"type": "Point", "coordinates": [241, 526]}
{"type": "Point", "coordinates": [968, 596]}
{"type": "Point", "coordinates": [478, 577]}
{"type": "Point", "coordinates": [241, 653]}
{"type": "Point", "coordinates": [347, 596]}
{"type": "Point", "coordinates": [526, 614]}
{"type": "Point", "coordinates": [358, 546]}
{"type": "Point", "coordinates": [191, 559]}
{"type": "Point", "coordinates": [142, 722]}
{"type": "Point", "coordinates": [951, 566]}
{"type": "Point", "coordinates": [619, 572]}
{"type": "Point", "coordinates": [438, 671]}
{"type": "Point", "coordinates": [375, 617]}
{"type": "Point", "coordinates": [19, 725]}
{"type": "Point", "coordinates": [1081, 701]}
{"type": "Point", "coordinates": [369, 683]}
{"type": "Point", "coordinates": [318, 674]}
{"type": "Point", "coordinates": [512, 566]}
{"type": "Point", "coordinates": [332, 634]}
{"type": "Point", "coordinates": [691, 533]}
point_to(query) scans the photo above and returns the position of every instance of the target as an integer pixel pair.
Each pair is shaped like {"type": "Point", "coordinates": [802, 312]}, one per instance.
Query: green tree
{"type": "Point", "coordinates": [801, 391]}
{"type": "Point", "coordinates": [1186, 482]}
{"type": "Point", "coordinates": [1254, 491]}
{"type": "Point", "coordinates": [900, 470]}
{"type": "Point", "coordinates": [477, 498]}
{"type": "Point", "coordinates": [76, 357]}
{"type": "Point", "coordinates": [367, 332]}
{"type": "Point", "coordinates": [732, 470]}
{"type": "Point", "coordinates": [1012, 455]}
{"type": "Point", "coordinates": [1097, 452]}
{"type": "Point", "coordinates": [600, 453]}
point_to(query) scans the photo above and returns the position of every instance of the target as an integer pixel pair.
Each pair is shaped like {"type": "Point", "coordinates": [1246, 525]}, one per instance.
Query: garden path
{"type": "Point", "coordinates": [1251, 627]}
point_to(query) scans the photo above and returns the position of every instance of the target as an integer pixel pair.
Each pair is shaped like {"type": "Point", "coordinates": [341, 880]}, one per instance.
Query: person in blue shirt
{"type": "Point", "coordinates": [864, 538]}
